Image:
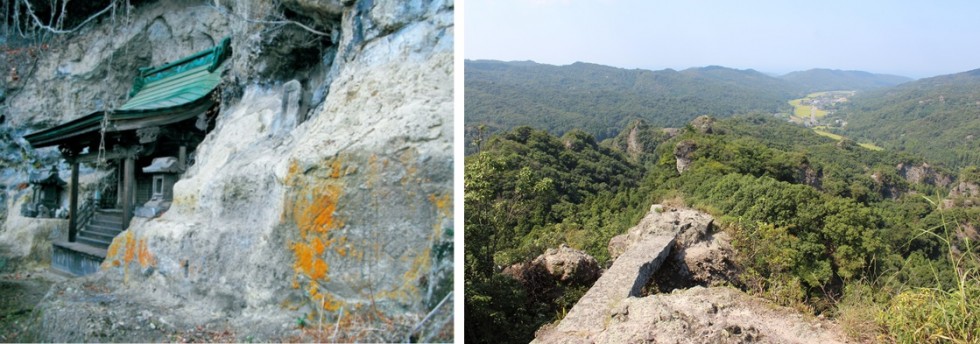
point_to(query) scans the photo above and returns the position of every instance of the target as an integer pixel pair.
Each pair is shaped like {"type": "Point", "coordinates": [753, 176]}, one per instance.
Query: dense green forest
{"type": "Point", "coordinates": [602, 100]}
{"type": "Point", "coordinates": [812, 228]}
{"type": "Point", "coordinates": [821, 79]}
{"type": "Point", "coordinates": [937, 117]}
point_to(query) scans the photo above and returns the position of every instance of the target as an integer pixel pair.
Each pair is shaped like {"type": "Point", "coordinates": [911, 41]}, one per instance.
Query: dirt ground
{"type": "Point", "coordinates": [19, 294]}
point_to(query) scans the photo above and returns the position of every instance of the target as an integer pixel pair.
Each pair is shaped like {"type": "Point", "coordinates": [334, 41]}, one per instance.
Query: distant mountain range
{"type": "Point", "coordinates": [937, 117]}
{"type": "Point", "coordinates": [602, 99]}
{"type": "Point", "coordinates": [819, 79]}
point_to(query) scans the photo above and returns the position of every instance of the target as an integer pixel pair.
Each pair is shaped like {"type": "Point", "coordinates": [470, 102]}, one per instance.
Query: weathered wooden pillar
{"type": "Point", "coordinates": [119, 184]}
{"type": "Point", "coordinates": [73, 202]}
{"type": "Point", "coordinates": [182, 157]}
{"type": "Point", "coordinates": [129, 176]}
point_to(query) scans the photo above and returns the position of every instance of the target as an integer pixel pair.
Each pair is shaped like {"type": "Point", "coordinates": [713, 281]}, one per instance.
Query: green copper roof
{"type": "Point", "coordinates": [179, 82]}
{"type": "Point", "coordinates": [79, 126]}
{"type": "Point", "coordinates": [160, 95]}
{"type": "Point", "coordinates": [178, 89]}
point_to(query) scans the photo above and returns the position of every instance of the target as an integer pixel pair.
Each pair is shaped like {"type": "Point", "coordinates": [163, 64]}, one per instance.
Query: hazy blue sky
{"type": "Point", "coordinates": [910, 38]}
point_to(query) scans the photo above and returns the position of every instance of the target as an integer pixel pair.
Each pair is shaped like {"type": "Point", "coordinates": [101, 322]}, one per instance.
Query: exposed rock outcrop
{"type": "Point", "coordinates": [25, 242]}
{"type": "Point", "coordinates": [633, 145]}
{"type": "Point", "coordinates": [809, 176]}
{"type": "Point", "coordinates": [562, 265]}
{"type": "Point", "coordinates": [923, 174]}
{"type": "Point", "coordinates": [703, 124]}
{"type": "Point", "coordinates": [964, 194]}
{"type": "Point", "coordinates": [710, 315]}
{"type": "Point", "coordinates": [684, 154]}
{"type": "Point", "coordinates": [691, 225]}
{"type": "Point", "coordinates": [647, 248]}
{"type": "Point", "coordinates": [614, 311]}
{"type": "Point", "coordinates": [94, 69]}
{"type": "Point", "coordinates": [701, 256]}
{"type": "Point", "coordinates": [888, 186]}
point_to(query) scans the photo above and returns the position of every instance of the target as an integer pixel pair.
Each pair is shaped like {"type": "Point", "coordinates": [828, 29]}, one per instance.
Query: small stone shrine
{"type": "Point", "coordinates": [164, 171]}
{"type": "Point", "coordinates": [47, 196]}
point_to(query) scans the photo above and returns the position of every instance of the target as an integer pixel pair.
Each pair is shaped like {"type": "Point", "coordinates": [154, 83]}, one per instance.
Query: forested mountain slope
{"type": "Point", "coordinates": [938, 118]}
{"type": "Point", "coordinates": [602, 99]}
{"type": "Point", "coordinates": [821, 79]}
{"type": "Point", "coordinates": [818, 224]}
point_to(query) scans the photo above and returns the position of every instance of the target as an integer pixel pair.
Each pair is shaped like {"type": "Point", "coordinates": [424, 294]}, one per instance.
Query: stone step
{"type": "Point", "coordinates": [108, 230]}
{"type": "Point", "coordinates": [76, 258]}
{"type": "Point", "coordinates": [93, 242]}
{"type": "Point", "coordinates": [101, 221]}
{"type": "Point", "coordinates": [108, 217]}
{"type": "Point", "coordinates": [107, 237]}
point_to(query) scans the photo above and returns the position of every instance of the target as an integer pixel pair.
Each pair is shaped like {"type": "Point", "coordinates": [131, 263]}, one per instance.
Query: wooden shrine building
{"type": "Point", "coordinates": [145, 143]}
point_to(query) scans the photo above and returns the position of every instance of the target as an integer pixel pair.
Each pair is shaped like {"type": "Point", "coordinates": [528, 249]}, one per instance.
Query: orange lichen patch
{"type": "Point", "coordinates": [315, 211]}
{"type": "Point", "coordinates": [126, 249]}
{"type": "Point", "coordinates": [113, 251]}
{"type": "Point", "coordinates": [318, 245]}
{"type": "Point", "coordinates": [143, 254]}
{"type": "Point", "coordinates": [130, 252]}
{"type": "Point", "coordinates": [443, 204]}
{"type": "Point", "coordinates": [312, 203]}
{"type": "Point", "coordinates": [307, 262]}
{"type": "Point", "coordinates": [326, 301]}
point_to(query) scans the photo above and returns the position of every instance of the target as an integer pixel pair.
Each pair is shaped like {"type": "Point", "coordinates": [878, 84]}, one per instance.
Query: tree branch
{"type": "Point", "coordinates": [427, 317]}
{"type": "Point", "coordinates": [273, 22]}
{"type": "Point", "coordinates": [39, 24]}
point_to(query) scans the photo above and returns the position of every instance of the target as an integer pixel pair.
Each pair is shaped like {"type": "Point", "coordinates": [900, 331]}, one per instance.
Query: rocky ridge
{"type": "Point", "coordinates": [693, 255]}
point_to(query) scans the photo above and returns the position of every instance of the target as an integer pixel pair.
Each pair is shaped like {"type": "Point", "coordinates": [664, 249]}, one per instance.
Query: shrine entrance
{"type": "Point", "coordinates": [144, 145]}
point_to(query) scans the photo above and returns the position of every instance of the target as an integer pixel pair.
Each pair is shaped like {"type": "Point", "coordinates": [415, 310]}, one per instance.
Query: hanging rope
{"type": "Point", "coordinates": [100, 162]}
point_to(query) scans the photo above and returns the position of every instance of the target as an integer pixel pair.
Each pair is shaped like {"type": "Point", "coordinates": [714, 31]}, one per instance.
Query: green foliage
{"type": "Point", "coordinates": [496, 311]}
{"type": "Point", "coordinates": [527, 191]}
{"type": "Point", "coordinates": [934, 117]}
{"type": "Point", "coordinates": [970, 174]}
{"type": "Point", "coordinates": [942, 313]}
{"type": "Point", "coordinates": [813, 220]}
{"type": "Point", "coordinates": [814, 80]}
{"type": "Point", "coordinates": [504, 95]}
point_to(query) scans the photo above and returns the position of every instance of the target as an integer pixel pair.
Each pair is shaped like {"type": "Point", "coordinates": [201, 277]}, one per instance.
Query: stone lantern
{"type": "Point", "coordinates": [47, 195]}
{"type": "Point", "coordinates": [164, 171]}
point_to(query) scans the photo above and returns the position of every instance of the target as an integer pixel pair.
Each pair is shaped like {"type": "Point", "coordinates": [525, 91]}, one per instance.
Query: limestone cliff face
{"type": "Point", "coordinates": [94, 68]}
{"type": "Point", "coordinates": [335, 201]}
